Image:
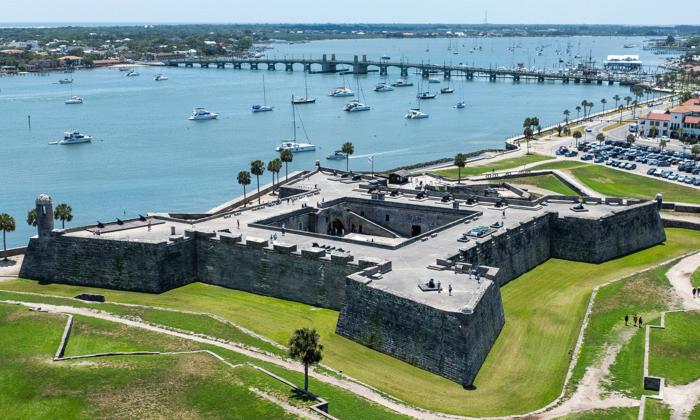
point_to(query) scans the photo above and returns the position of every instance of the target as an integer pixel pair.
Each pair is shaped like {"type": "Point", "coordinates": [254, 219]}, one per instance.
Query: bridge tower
{"type": "Point", "coordinates": [271, 66]}
{"type": "Point", "coordinates": [44, 216]}
{"type": "Point", "coordinates": [288, 66]}
{"type": "Point", "coordinates": [404, 71]}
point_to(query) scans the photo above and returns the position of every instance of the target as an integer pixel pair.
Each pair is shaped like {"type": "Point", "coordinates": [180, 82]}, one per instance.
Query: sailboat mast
{"type": "Point", "coordinates": [294, 123]}
{"type": "Point", "coordinates": [264, 91]}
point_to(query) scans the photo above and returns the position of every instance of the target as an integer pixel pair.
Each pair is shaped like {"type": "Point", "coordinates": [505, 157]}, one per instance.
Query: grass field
{"type": "Point", "coordinates": [695, 414]}
{"type": "Point", "coordinates": [616, 183]}
{"type": "Point", "coordinates": [610, 413]}
{"type": "Point", "coordinates": [674, 351]}
{"type": "Point", "coordinates": [482, 167]}
{"type": "Point", "coordinates": [164, 386]}
{"type": "Point", "coordinates": [695, 278]}
{"type": "Point", "coordinates": [542, 323]}
{"type": "Point", "coordinates": [617, 125]}
{"type": "Point", "coordinates": [644, 294]}
{"type": "Point", "coordinates": [656, 410]}
{"type": "Point", "coordinates": [548, 182]}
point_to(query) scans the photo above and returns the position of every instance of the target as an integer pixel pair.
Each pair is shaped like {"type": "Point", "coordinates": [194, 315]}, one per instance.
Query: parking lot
{"type": "Point", "coordinates": [671, 165]}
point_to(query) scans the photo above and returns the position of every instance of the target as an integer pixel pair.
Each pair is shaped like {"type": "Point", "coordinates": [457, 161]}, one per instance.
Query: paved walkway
{"type": "Point", "coordinates": [10, 269]}
{"type": "Point", "coordinates": [679, 276]}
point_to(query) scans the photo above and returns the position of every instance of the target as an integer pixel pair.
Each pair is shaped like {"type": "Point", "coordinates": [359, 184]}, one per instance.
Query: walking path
{"type": "Point", "coordinates": [10, 269]}
{"type": "Point", "coordinates": [682, 399]}
{"type": "Point", "coordinates": [679, 276]}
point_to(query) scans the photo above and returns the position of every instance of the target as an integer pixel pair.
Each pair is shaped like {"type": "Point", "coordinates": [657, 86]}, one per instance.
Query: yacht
{"type": "Point", "coordinates": [402, 83]}
{"type": "Point", "coordinates": [295, 147]}
{"type": "Point", "coordinates": [132, 73]}
{"type": "Point", "coordinates": [426, 95]}
{"type": "Point", "coordinates": [264, 107]}
{"type": "Point", "coordinates": [433, 80]}
{"type": "Point", "coordinates": [74, 137]}
{"type": "Point", "coordinates": [160, 77]}
{"type": "Point", "coordinates": [66, 81]}
{"type": "Point", "coordinates": [383, 87]}
{"type": "Point", "coordinates": [415, 114]}
{"type": "Point", "coordinates": [337, 155]}
{"type": "Point", "coordinates": [386, 57]}
{"type": "Point", "coordinates": [74, 100]}
{"type": "Point", "coordinates": [460, 105]}
{"type": "Point", "coordinates": [200, 114]}
{"type": "Point", "coordinates": [356, 106]}
{"type": "Point", "coordinates": [447, 90]}
{"type": "Point", "coordinates": [341, 92]}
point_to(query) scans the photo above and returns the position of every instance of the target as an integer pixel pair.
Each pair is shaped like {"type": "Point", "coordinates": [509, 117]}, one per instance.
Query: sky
{"type": "Point", "coordinates": [631, 12]}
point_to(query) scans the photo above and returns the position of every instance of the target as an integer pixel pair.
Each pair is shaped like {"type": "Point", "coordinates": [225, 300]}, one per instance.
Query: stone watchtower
{"type": "Point", "coordinates": [44, 215]}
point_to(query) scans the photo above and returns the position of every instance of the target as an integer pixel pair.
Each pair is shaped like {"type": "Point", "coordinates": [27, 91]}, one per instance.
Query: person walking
{"type": "Point", "coordinates": [449, 289]}
{"type": "Point", "coordinates": [640, 322]}
{"type": "Point", "coordinates": [694, 291]}
{"type": "Point", "coordinates": [627, 318]}
{"type": "Point", "coordinates": [504, 214]}
{"type": "Point", "coordinates": [635, 320]}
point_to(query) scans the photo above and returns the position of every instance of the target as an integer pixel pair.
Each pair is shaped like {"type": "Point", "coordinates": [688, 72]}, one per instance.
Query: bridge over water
{"type": "Point", "coordinates": [361, 65]}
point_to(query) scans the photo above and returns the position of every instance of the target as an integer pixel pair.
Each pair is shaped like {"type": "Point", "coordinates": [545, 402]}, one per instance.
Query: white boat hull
{"type": "Point", "coordinates": [203, 117]}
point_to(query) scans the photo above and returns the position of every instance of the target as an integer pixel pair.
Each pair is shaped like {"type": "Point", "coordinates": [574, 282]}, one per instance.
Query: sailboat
{"type": "Point", "coordinates": [448, 89]}
{"type": "Point", "coordinates": [263, 107]}
{"type": "Point", "coordinates": [73, 99]}
{"type": "Point", "coordinates": [292, 144]}
{"type": "Point", "coordinates": [299, 100]}
{"type": "Point", "coordinates": [416, 113]}
{"type": "Point", "coordinates": [342, 91]}
{"type": "Point", "coordinates": [356, 105]}
{"type": "Point", "coordinates": [461, 104]}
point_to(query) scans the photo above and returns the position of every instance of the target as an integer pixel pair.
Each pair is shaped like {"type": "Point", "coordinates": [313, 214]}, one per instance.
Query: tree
{"type": "Point", "coordinates": [634, 109]}
{"type": "Point", "coordinates": [64, 213]}
{"type": "Point", "coordinates": [616, 98]}
{"type": "Point", "coordinates": [274, 167]}
{"type": "Point", "coordinates": [603, 101]}
{"type": "Point", "coordinates": [621, 108]}
{"type": "Point", "coordinates": [577, 135]}
{"type": "Point", "coordinates": [653, 131]}
{"type": "Point", "coordinates": [287, 157]}
{"type": "Point", "coordinates": [695, 151]}
{"type": "Point", "coordinates": [7, 224]}
{"type": "Point", "coordinates": [257, 168]}
{"type": "Point", "coordinates": [566, 116]}
{"type": "Point", "coordinates": [584, 104]}
{"type": "Point", "coordinates": [578, 111]}
{"type": "Point", "coordinates": [627, 99]}
{"type": "Point", "coordinates": [559, 130]}
{"type": "Point", "coordinates": [348, 149]}
{"type": "Point", "coordinates": [631, 138]}
{"type": "Point", "coordinates": [600, 137]}
{"type": "Point", "coordinates": [304, 346]}
{"type": "Point", "coordinates": [32, 217]}
{"type": "Point", "coordinates": [460, 162]}
{"type": "Point", "coordinates": [662, 144]}
{"type": "Point", "coordinates": [244, 179]}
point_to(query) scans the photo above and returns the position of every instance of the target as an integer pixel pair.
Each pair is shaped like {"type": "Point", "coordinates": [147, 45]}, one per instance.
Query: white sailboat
{"type": "Point", "coordinates": [263, 107]}
{"type": "Point", "coordinates": [73, 100]}
{"type": "Point", "coordinates": [292, 144]}
{"type": "Point", "coordinates": [356, 105]}
{"type": "Point", "coordinates": [300, 100]}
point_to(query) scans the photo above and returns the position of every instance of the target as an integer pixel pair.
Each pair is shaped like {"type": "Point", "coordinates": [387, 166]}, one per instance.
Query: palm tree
{"type": "Point", "coordinates": [695, 151]}
{"type": "Point", "coordinates": [460, 162]}
{"type": "Point", "coordinates": [590, 107]}
{"type": "Point", "coordinates": [616, 98]}
{"type": "Point", "coordinates": [634, 108]}
{"type": "Point", "coordinates": [348, 149]}
{"type": "Point", "coordinates": [244, 179]}
{"type": "Point", "coordinates": [274, 167]}
{"type": "Point", "coordinates": [287, 157]}
{"type": "Point", "coordinates": [32, 217]}
{"type": "Point", "coordinates": [630, 138]}
{"type": "Point", "coordinates": [621, 108]}
{"type": "Point", "coordinates": [566, 115]}
{"type": "Point", "coordinates": [662, 144]}
{"type": "Point", "coordinates": [257, 168]}
{"type": "Point", "coordinates": [7, 224]}
{"type": "Point", "coordinates": [577, 135]}
{"type": "Point", "coordinates": [304, 346]}
{"type": "Point", "coordinates": [603, 101]}
{"type": "Point", "coordinates": [600, 137]}
{"type": "Point", "coordinates": [578, 111]}
{"type": "Point", "coordinates": [64, 213]}
{"type": "Point", "coordinates": [627, 99]}
{"type": "Point", "coordinates": [584, 104]}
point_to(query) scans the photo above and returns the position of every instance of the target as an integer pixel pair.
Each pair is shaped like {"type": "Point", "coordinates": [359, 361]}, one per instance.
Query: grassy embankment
{"type": "Point", "coordinates": [674, 351]}
{"type": "Point", "coordinates": [548, 182]}
{"type": "Point", "coordinates": [541, 329]}
{"type": "Point", "coordinates": [483, 167]}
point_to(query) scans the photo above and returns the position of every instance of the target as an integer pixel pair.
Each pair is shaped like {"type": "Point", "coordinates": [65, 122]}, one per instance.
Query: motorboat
{"type": "Point", "coordinates": [402, 83]}
{"type": "Point", "coordinates": [426, 95]}
{"type": "Point", "coordinates": [73, 137]}
{"type": "Point", "coordinates": [433, 80]}
{"type": "Point", "coordinates": [383, 87]}
{"type": "Point", "coordinates": [160, 77]}
{"type": "Point", "coordinates": [460, 105]}
{"type": "Point", "coordinates": [337, 155]}
{"type": "Point", "coordinates": [132, 73]}
{"type": "Point", "coordinates": [295, 147]}
{"type": "Point", "coordinates": [124, 68]}
{"type": "Point", "coordinates": [261, 108]}
{"type": "Point", "coordinates": [386, 57]}
{"type": "Point", "coordinates": [200, 114]}
{"type": "Point", "coordinates": [356, 106]}
{"type": "Point", "coordinates": [415, 114]}
{"type": "Point", "coordinates": [341, 92]}
{"type": "Point", "coordinates": [66, 81]}
{"type": "Point", "coordinates": [74, 100]}
{"type": "Point", "coordinates": [447, 90]}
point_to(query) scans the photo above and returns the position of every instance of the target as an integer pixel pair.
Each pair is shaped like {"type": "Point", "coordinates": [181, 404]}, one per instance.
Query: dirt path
{"type": "Point", "coordinates": [679, 276]}
{"type": "Point", "coordinates": [588, 395]}
{"type": "Point", "coordinates": [682, 399]}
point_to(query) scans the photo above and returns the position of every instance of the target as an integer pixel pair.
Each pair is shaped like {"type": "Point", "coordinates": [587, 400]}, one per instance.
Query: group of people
{"type": "Point", "coordinates": [696, 292]}
{"type": "Point", "coordinates": [636, 320]}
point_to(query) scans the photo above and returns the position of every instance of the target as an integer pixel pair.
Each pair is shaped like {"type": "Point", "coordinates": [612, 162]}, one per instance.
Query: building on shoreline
{"type": "Point", "coordinates": [677, 122]}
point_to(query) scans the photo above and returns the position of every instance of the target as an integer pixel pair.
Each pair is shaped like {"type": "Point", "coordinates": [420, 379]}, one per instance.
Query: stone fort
{"type": "Point", "coordinates": [415, 269]}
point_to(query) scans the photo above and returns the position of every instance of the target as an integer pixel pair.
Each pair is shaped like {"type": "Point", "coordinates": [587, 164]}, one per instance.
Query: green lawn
{"type": "Point", "coordinates": [542, 324]}
{"type": "Point", "coordinates": [482, 167]}
{"type": "Point", "coordinates": [695, 414]}
{"type": "Point", "coordinates": [695, 278]}
{"type": "Point", "coordinates": [618, 413]}
{"type": "Point", "coordinates": [616, 183]}
{"type": "Point", "coordinates": [617, 125]}
{"type": "Point", "coordinates": [627, 371]}
{"type": "Point", "coordinates": [548, 182]}
{"type": "Point", "coordinates": [178, 386]}
{"type": "Point", "coordinates": [656, 410]}
{"type": "Point", "coordinates": [674, 352]}
{"type": "Point", "coordinates": [644, 294]}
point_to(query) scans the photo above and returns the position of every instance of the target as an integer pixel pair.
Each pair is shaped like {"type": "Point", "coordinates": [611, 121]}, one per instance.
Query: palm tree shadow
{"type": "Point", "coordinates": [299, 395]}
{"type": "Point", "coordinates": [7, 263]}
